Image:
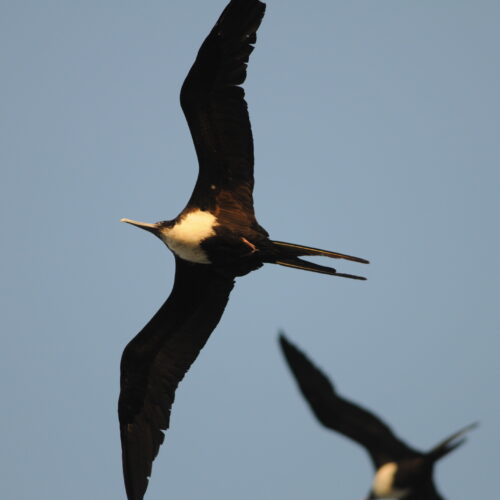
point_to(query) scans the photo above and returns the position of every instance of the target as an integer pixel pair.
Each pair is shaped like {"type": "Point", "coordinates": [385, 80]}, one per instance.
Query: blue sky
{"type": "Point", "coordinates": [376, 134]}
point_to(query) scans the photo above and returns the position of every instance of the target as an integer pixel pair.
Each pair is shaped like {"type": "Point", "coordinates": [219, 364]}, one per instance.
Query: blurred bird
{"type": "Point", "coordinates": [214, 239]}
{"type": "Point", "coordinates": [401, 472]}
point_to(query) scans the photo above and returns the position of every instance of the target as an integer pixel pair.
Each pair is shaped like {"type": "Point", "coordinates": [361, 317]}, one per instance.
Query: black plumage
{"type": "Point", "coordinates": [412, 469]}
{"type": "Point", "coordinates": [214, 239]}
{"type": "Point", "coordinates": [155, 361]}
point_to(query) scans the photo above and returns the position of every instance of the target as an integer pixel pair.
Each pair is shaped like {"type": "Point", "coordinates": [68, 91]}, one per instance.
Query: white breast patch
{"type": "Point", "coordinates": [384, 480]}
{"type": "Point", "coordinates": [185, 237]}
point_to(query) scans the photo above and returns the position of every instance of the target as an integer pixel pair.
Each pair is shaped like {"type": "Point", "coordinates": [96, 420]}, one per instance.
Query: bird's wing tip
{"type": "Point", "coordinates": [282, 337]}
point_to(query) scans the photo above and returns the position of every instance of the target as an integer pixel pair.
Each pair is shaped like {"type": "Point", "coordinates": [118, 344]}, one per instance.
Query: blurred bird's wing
{"type": "Point", "coordinates": [156, 360]}
{"type": "Point", "coordinates": [216, 111]}
{"type": "Point", "coordinates": [341, 415]}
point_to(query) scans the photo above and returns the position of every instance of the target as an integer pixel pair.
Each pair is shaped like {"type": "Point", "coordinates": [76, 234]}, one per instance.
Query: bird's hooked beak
{"type": "Point", "coordinates": [153, 228]}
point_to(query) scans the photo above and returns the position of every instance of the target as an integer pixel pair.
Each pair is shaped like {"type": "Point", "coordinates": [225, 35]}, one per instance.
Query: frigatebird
{"type": "Point", "coordinates": [214, 239]}
{"type": "Point", "coordinates": [401, 472]}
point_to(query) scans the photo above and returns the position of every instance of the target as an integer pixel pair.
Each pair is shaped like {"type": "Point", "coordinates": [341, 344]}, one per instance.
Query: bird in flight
{"type": "Point", "coordinates": [214, 239]}
{"type": "Point", "coordinates": [400, 471]}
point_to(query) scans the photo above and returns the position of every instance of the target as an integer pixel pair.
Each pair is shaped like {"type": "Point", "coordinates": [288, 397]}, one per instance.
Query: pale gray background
{"type": "Point", "coordinates": [376, 130]}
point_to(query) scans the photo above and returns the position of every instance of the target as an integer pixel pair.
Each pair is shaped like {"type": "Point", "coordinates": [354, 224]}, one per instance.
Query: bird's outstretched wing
{"type": "Point", "coordinates": [156, 360]}
{"type": "Point", "coordinates": [216, 111]}
{"type": "Point", "coordinates": [340, 414]}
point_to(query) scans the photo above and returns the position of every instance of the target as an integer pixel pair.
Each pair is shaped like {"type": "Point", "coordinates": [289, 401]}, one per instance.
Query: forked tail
{"type": "Point", "coordinates": [289, 253]}
{"type": "Point", "coordinates": [450, 443]}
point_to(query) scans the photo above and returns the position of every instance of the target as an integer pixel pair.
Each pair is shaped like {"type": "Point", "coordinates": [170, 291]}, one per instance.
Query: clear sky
{"type": "Point", "coordinates": [376, 128]}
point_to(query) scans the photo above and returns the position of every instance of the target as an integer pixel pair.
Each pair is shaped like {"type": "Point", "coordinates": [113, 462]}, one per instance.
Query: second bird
{"type": "Point", "coordinates": [401, 472]}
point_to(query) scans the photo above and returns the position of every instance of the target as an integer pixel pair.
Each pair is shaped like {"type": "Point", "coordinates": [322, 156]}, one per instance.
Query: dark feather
{"type": "Point", "coordinates": [450, 443]}
{"type": "Point", "coordinates": [305, 265]}
{"type": "Point", "coordinates": [216, 111]}
{"type": "Point", "coordinates": [340, 414]}
{"type": "Point", "coordinates": [156, 360]}
{"type": "Point", "coordinates": [425, 492]}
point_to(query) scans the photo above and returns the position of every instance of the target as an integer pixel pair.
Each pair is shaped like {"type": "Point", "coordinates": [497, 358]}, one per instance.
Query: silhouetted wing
{"type": "Point", "coordinates": [216, 111]}
{"type": "Point", "coordinates": [155, 361]}
{"type": "Point", "coordinates": [426, 492]}
{"type": "Point", "coordinates": [341, 415]}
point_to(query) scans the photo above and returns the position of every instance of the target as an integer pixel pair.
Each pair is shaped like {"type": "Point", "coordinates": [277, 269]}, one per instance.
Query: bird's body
{"type": "Point", "coordinates": [214, 239]}
{"type": "Point", "coordinates": [201, 237]}
{"type": "Point", "coordinates": [401, 472]}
